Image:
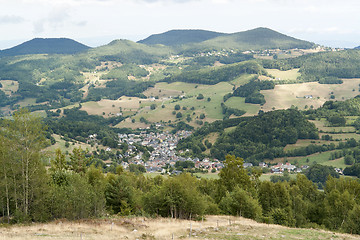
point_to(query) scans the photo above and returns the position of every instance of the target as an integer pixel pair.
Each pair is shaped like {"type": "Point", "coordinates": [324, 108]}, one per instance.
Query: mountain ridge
{"type": "Point", "coordinates": [255, 39]}
{"type": "Point", "coordinates": [180, 37]}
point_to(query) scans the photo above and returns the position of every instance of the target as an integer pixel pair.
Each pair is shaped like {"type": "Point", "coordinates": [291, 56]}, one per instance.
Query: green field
{"type": "Point", "coordinates": [287, 95]}
{"type": "Point", "coordinates": [323, 125]}
{"type": "Point", "coordinates": [243, 79]}
{"type": "Point", "coordinates": [212, 109]}
{"type": "Point", "coordinates": [60, 143]}
{"type": "Point", "coordinates": [267, 176]}
{"type": "Point", "coordinates": [284, 75]}
{"type": "Point", "coordinates": [305, 142]}
{"type": "Point", "coordinates": [9, 87]}
{"type": "Point", "coordinates": [320, 158]}
{"type": "Point", "coordinates": [239, 103]}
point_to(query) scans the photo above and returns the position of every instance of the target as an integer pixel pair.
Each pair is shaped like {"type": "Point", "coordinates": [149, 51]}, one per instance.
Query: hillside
{"type": "Point", "coordinates": [126, 51]}
{"type": "Point", "coordinates": [214, 227]}
{"type": "Point", "coordinates": [45, 46]}
{"type": "Point", "coordinates": [179, 37]}
{"type": "Point", "coordinates": [255, 138]}
{"type": "Point", "coordinates": [257, 39]}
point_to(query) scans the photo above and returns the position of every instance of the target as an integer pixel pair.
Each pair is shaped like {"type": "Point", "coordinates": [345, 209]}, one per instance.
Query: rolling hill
{"type": "Point", "coordinates": [180, 37]}
{"type": "Point", "coordinates": [257, 39]}
{"type": "Point", "coordinates": [45, 46]}
{"type": "Point", "coordinates": [129, 51]}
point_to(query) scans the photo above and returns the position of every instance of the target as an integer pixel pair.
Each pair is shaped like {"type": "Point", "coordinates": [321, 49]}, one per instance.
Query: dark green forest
{"type": "Point", "coordinates": [254, 138]}
{"type": "Point", "coordinates": [215, 75]}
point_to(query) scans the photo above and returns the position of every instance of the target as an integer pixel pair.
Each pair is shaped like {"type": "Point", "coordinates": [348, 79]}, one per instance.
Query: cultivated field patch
{"type": "Point", "coordinates": [284, 75]}
{"type": "Point", "coordinates": [239, 103]}
{"type": "Point", "coordinates": [110, 108]}
{"type": "Point", "coordinates": [306, 95]}
{"type": "Point", "coordinates": [9, 87]}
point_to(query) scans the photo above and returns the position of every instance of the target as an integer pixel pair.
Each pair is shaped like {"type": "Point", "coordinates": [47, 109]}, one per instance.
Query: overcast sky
{"type": "Point", "coordinates": [97, 22]}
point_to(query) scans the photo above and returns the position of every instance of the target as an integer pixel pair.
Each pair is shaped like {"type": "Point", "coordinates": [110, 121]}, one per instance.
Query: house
{"type": "Point", "coordinates": [339, 171]}
{"type": "Point", "coordinates": [289, 167]}
{"type": "Point", "coordinates": [246, 165]}
{"type": "Point", "coordinates": [262, 164]}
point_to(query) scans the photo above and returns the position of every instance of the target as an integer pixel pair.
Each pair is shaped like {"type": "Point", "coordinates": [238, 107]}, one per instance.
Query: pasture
{"type": "Point", "coordinates": [284, 75]}
{"type": "Point", "coordinates": [320, 158]}
{"type": "Point", "coordinates": [60, 144]}
{"type": "Point", "coordinates": [109, 108]}
{"type": "Point", "coordinates": [210, 105]}
{"type": "Point", "coordinates": [287, 95]}
{"type": "Point", "coordinates": [239, 103]}
{"type": "Point", "coordinates": [9, 86]}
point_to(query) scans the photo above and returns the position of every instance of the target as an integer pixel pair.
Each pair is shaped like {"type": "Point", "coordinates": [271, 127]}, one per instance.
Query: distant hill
{"type": "Point", "coordinates": [257, 39]}
{"type": "Point", "coordinates": [180, 37]}
{"type": "Point", "coordinates": [45, 46]}
{"type": "Point", "coordinates": [127, 51]}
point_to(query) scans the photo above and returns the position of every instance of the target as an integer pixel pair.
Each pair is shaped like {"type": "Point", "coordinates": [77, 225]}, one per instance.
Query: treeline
{"type": "Point", "coordinates": [230, 58]}
{"type": "Point", "coordinates": [336, 111]}
{"type": "Point", "coordinates": [78, 125]}
{"type": "Point", "coordinates": [327, 67]}
{"type": "Point", "coordinates": [122, 73]}
{"type": "Point", "coordinates": [251, 91]}
{"type": "Point", "coordinates": [255, 138]}
{"type": "Point", "coordinates": [117, 88]}
{"type": "Point", "coordinates": [215, 75]}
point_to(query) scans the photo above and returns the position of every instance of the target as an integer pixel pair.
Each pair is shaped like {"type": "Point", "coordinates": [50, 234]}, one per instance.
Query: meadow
{"type": "Point", "coordinates": [9, 86]}
{"type": "Point", "coordinates": [292, 74]}
{"type": "Point", "coordinates": [210, 227]}
{"type": "Point", "coordinates": [287, 95]}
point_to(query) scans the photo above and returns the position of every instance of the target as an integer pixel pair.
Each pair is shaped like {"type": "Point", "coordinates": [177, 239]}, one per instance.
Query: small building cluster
{"type": "Point", "coordinates": [164, 154]}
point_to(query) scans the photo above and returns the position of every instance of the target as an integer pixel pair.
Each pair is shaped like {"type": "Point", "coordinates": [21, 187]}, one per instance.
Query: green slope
{"type": "Point", "coordinates": [129, 52]}
{"type": "Point", "coordinates": [256, 39]}
{"type": "Point", "coordinates": [179, 37]}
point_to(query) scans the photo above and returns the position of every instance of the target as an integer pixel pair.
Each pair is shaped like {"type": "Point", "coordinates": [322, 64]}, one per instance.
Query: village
{"type": "Point", "coordinates": [164, 157]}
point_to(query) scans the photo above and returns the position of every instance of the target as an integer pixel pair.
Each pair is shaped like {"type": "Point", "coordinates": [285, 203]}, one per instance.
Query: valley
{"type": "Point", "coordinates": [183, 124]}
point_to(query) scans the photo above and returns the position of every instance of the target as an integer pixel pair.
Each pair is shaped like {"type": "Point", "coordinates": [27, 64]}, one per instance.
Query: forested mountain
{"type": "Point", "coordinates": [179, 37]}
{"type": "Point", "coordinates": [126, 51]}
{"type": "Point", "coordinates": [256, 39]}
{"type": "Point", "coordinates": [46, 46]}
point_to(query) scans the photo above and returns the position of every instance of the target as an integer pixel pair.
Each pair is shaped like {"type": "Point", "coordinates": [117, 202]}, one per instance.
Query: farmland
{"type": "Point", "coordinates": [287, 95]}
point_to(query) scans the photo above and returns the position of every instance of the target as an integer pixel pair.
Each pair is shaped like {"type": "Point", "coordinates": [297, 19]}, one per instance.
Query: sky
{"type": "Point", "coordinates": [332, 23]}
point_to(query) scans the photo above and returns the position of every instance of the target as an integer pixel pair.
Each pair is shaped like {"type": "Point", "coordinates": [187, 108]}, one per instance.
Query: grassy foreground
{"type": "Point", "coordinates": [214, 227]}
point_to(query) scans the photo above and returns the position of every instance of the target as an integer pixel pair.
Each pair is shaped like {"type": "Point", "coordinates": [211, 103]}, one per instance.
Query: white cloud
{"type": "Point", "coordinates": [11, 19]}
